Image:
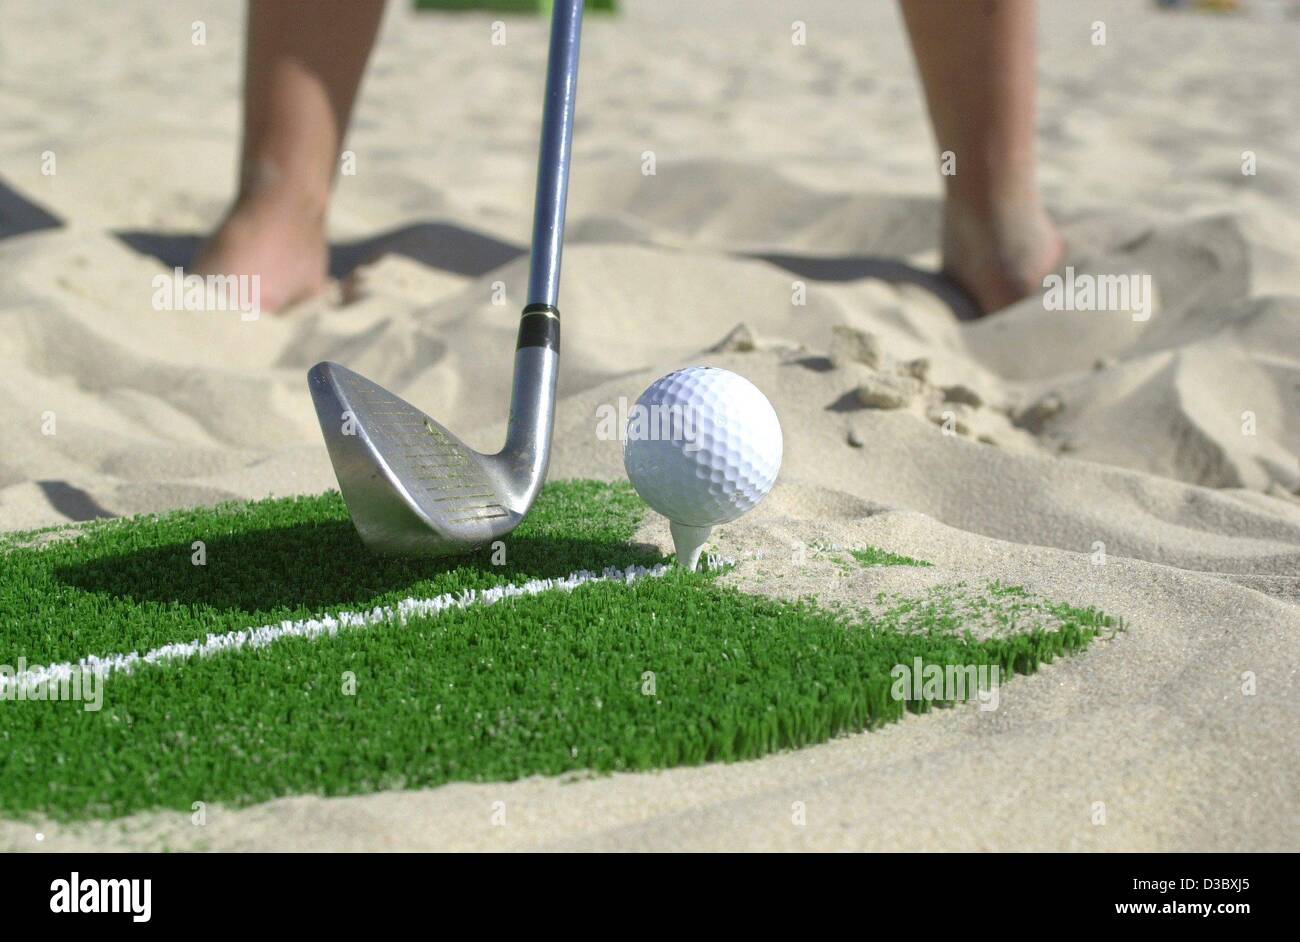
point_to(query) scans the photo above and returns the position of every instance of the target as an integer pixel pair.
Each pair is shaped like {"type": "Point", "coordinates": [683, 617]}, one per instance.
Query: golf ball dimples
{"type": "Point", "coordinates": [703, 446]}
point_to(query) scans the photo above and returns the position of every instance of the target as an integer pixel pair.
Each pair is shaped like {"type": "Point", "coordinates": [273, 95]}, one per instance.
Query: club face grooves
{"type": "Point", "coordinates": [411, 486]}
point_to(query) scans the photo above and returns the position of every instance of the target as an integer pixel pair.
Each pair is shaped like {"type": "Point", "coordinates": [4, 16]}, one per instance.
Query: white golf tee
{"type": "Point", "coordinates": [689, 541]}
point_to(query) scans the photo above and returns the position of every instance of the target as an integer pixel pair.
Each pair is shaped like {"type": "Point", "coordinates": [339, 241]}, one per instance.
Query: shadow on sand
{"type": "Point", "coordinates": [461, 251]}
{"type": "Point", "coordinates": [19, 215]}
{"type": "Point", "coordinates": [439, 245]}
{"type": "Point", "coordinates": [889, 270]}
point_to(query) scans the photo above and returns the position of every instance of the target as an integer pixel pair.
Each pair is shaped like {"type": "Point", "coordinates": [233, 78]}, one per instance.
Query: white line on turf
{"type": "Point", "coordinates": [324, 625]}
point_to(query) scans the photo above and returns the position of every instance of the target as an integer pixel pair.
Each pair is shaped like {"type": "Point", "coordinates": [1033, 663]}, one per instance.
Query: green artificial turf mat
{"type": "Point", "coordinates": [132, 584]}
{"type": "Point", "coordinates": [666, 671]}
{"type": "Point", "coordinates": [873, 556]}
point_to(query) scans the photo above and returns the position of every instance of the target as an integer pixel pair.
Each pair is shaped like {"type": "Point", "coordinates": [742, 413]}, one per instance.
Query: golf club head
{"type": "Point", "coordinates": [412, 487]}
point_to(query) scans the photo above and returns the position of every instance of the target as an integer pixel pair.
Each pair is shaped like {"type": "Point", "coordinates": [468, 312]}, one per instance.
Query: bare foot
{"type": "Point", "coordinates": [1000, 256]}
{"type": "Point", "coordinates": [280, 238]}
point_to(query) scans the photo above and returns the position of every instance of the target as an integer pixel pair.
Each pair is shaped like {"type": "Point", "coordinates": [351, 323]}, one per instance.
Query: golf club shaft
{"type": "Point", "coordinates": [527, 449]}
{"type": "Point", "coordinates": [553, 159]}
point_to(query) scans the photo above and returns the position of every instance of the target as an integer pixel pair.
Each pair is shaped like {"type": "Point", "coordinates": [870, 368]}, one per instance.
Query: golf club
{"type": "Point", "coordinates": [412, 487]}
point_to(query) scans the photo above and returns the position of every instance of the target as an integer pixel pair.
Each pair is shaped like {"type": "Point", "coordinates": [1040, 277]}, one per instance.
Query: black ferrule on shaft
{"type": "Point", "coordinates": [539, 327]}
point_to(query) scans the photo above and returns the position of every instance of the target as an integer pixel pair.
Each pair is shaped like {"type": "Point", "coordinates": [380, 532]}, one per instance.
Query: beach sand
{"type": "Point", "coordinates": [1166, 446]}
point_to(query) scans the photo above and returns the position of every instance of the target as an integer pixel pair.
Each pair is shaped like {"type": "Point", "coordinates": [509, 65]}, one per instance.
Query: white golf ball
{"type": "Point", "coordinates": [703, 446]}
